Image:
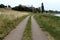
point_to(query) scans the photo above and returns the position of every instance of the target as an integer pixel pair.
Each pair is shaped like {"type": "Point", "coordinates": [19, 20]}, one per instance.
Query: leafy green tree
{"type": "Point", "coordinates": [2, 6]}
{"type": "Point", "coordinates": [9, 6]}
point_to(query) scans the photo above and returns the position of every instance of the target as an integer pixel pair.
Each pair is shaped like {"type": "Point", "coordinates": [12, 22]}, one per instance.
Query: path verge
{"type": "Point", "coordinates": [17, 33]}
{"type": "Point", "coordinates": [37, 33]}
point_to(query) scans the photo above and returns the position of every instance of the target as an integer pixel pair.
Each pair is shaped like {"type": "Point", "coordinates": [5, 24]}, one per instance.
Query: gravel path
{"type": "Point", "coordinates": [17, 33]}
{"type": "Point", "coordinates": [37, 33]}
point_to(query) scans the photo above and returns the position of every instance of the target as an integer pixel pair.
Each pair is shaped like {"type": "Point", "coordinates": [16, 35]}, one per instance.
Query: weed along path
{"type": "Point", "coordinates": [17, 33]}
{"type": "Point", "coordinates": [37, 33]}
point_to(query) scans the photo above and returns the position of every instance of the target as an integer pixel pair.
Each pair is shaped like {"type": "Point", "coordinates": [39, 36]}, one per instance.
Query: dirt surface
{"type": "Point", "coordinates": [17, 33]}
{"type": "Point", "coordinates": [37, 33]}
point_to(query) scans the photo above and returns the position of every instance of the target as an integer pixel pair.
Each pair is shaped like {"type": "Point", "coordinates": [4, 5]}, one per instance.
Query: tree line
{"type": "Point", "coordinates": [3, 6]}
{"type": "Point", "coordinates": [29, 9]}
{"type": "Point", "coordinates": [24, 8]}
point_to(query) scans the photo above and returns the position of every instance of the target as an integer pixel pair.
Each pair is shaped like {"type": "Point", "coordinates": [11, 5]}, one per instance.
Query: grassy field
{"type": "Point", "coordinates": [27, 35]}
{"type": "Point", "coordinates": [49, 23]}
{"type": "Point", "coordinates": [9, 19]}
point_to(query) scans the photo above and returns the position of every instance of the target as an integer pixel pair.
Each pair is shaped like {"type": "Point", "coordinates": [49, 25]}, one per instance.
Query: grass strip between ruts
{"type": "Point", "coordinates": [27, 34]}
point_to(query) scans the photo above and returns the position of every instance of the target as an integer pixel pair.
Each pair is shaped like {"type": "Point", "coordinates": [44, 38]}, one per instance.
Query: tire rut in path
{"type": "Point", "coordinates": [17, 33]}
{"type": "Point", "coordinates": [37, 33]}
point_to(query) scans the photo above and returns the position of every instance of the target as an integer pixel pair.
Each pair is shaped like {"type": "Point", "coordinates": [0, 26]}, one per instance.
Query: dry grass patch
{"type": "Point", "coordinates": [8, 20]}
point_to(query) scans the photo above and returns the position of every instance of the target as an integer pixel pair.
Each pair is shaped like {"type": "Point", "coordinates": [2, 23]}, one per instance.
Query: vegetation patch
{"type": "Point", "coordinates": [27, 35]}
{"type": "Point", "coordinates": [6, 25]}
{"type": "Point", "coordinates": [49, 23]}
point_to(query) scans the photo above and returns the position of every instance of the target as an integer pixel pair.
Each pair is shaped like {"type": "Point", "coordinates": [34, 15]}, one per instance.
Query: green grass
{"type": "Point", "coordinates": [49, 23]}
{"type": "Point", "coordinates": [27, 35]}
{"type": "Point", "coordinates": [7, 25]}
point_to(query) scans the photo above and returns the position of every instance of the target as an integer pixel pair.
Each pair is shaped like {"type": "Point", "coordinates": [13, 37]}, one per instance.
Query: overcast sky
{"type": "Point", "coordinates": [48, 4]}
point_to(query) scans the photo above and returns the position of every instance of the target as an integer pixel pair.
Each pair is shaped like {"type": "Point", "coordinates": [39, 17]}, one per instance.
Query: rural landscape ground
{"type": "Point", "coordinates": [20, 25]}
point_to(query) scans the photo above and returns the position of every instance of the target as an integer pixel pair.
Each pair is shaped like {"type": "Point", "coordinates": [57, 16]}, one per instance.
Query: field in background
{"type": "Point", "coordinates": [12, 14]}
{"type": "Point", "coordinates": [49, 23]}
{"type": "Point", "coordinates": [9, 19]}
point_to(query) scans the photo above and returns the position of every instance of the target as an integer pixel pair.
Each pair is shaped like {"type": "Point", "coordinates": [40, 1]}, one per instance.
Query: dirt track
{"type": "Point", "coordinates": [17, 33]}
{"type": "Point", "coordinates": [37, 33]}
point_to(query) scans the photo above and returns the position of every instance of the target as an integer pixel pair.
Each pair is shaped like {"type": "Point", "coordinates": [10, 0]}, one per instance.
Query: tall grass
{"type": "Point", "coordinates": [49, 23]}
{"type": "Point", "coordinates": [8, 25]}
{"type": "Point", "coordinates": [8, 20]}
{"type": "Point", "coordinates": [27, 35]}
